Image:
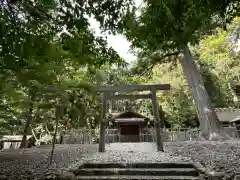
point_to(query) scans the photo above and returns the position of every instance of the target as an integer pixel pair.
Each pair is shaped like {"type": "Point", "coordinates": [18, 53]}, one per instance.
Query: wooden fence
{"type": "Point", "coordinates": [183, 134]}
{"type": "Point", "coordinates": [148, 135]}
{"type": "Point", "coordinates": [88, 136]}
{"type": "Point", "coordinates": [167, 135]}
{"type": "Point", "coordinates": [81, 136]}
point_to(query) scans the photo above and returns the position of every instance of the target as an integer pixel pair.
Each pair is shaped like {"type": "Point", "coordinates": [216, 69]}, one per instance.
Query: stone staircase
{"type": "Point", "coordinates": [144, 171]}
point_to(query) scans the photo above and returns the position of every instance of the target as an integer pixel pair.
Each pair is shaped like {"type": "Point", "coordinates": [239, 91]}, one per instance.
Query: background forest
{"type": "Point", "coordinates": [44, 66]}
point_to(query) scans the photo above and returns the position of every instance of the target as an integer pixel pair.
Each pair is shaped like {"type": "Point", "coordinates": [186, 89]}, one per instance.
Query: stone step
{"type": "Point", "coordinates": [137, 171]}
{"type": "Point", "coordinates": [137, 165]}
{"type": "Point", "coordinates": [120, 177]}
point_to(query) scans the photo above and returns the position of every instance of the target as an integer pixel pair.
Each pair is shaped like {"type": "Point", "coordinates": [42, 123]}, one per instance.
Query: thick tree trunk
{"type": "Point", "coordinates": [209, 122]}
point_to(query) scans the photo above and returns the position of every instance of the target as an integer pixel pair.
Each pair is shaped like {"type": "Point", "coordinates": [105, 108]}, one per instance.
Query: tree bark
{"type": "Point", "coordinates": [58, 113]}
{"type": "Point", "coordinates": [209, 122]}
{"type": "Point", "coordinates": [24, 143]}
{"type": "Point", "coordinates": [33, 133]}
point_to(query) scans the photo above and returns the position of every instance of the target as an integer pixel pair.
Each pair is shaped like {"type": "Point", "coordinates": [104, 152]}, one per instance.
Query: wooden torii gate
{"type": "Point", "coordinates": [130, 88]}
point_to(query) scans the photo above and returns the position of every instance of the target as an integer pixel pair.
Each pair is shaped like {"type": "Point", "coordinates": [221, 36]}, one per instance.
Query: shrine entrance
{"type": "Point", "coordinates": [132, 130]}
{"type": "Point", "coordinates": [127, 127]}
{"type": "Point", "coordinates": [131, 127]}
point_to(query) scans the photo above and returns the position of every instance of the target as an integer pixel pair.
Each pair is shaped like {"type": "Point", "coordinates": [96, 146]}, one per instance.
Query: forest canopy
{"type": "Point", "coordinates": [50, 57]}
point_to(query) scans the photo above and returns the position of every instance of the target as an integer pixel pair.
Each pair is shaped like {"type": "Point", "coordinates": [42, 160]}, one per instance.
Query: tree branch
{"type": "Point", "coordinates": [157, 59]}
{"type": "Point", "coordinates": [41, 11]}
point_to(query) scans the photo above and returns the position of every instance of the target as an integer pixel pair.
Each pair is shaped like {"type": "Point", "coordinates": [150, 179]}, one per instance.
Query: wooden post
{"type": "Point", "coordinates": [140, 134]}
{"type": "Point", "coordinates": [156, 120]}
{"type": "Point", "coordinates": [107, 134]}
{"type": "Point", "coordinates": [101, 147]}
{"type": "Point", "coordinates": [119, 133]}
{"type": "Point", "coordinates": [185, 135]}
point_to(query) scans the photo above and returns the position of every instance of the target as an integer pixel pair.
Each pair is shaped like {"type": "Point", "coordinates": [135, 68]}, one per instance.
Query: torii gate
{"type": "Point", "coordinates": [130, 88]}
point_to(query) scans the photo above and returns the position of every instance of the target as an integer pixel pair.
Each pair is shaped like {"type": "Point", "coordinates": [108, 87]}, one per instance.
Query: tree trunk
{"type": "Point", "coordinates": [33, 133]}
{"type": "Point", "coordinates": [58, 113]}
{"type": "Point", "coordinates": [209, 122]}
{"type": "Point", "coordinates": [24, 143]}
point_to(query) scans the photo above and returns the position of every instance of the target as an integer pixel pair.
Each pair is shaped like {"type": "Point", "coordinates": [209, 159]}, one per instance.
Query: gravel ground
{"type": "Point", "coordinates": [215, 156]}
{"type": "Point", "coordinates": [23, 164]}
{"type": "Point", "coordinates": [218, 156]}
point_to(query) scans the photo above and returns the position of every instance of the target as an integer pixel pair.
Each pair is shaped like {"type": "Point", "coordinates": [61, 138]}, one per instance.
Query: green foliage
{"type": "Point", "coordinates": [213, 45]}
{"type": "Point", "coordinates": [177, 103]}
{"type": "Point", "coordinates": [46, 51]}
{"type": "Point", "coordinates": [165, 26]}
{"type": "Point", "coordinates": [49, 57]}
{"type": "Point", "coordinates": [219, 66]}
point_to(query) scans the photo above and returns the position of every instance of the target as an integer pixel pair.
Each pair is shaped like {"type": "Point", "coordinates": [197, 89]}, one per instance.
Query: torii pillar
{"type": "Point", "coordinates": [131, 88]}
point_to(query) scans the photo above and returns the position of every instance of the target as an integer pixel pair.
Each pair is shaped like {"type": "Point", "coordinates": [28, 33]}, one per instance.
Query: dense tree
{"type": "Point", "coordinates": [43, 44]}
{"type": "Point", "coordinates": [50, 59]}
{"type": "Point", "coordinates": [166, 28]}
{"type": "Point", "coordinates": [219, 75]}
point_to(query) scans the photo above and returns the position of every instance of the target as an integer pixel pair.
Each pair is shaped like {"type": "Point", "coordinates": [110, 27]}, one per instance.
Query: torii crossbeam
{"type": "Point", "coordinates": [131, 88]}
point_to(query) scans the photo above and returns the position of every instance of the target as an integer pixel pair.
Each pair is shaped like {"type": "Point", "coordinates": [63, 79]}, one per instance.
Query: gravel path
{"type": "Point", "coordinates": [134, 152]}
{"type": "Point", "coordinates": [29, 163]}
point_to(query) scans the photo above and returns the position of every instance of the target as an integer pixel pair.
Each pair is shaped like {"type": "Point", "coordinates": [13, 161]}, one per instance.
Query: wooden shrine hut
{"type": "Point", "coordinates": [128, 127]}
{"type": "Point", "coordinates": [227, 116]}
{"type": "Point", "coordinates": [229, 119]}
{"type": "Point", "coordinates": [14, 142]}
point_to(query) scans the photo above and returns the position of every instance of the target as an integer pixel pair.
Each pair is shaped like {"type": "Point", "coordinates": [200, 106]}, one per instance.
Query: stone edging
{"type": "Point", "coordinates": [210, 175]}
